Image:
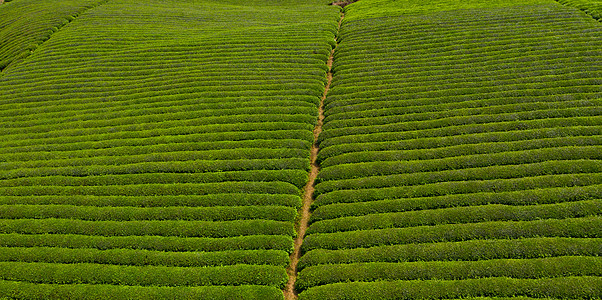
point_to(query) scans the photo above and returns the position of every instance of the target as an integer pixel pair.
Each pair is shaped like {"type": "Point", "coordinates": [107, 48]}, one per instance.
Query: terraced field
{"type": "Point", "coordinates": [156, 149]}
{"type": "Point", "coordinates": [460, 154]}
{"type": "Point", "coordinates": [161, 149]}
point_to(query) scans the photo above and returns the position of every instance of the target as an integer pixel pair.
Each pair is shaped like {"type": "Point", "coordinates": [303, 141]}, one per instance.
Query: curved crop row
{"type": "Point", "coordinates": [470, 250]}
{"type": "Point", "coordinates": [133, 257]}
{"type": "Point", "coordinates": [563, 266]}
{"type": "Point", "coordinates": [579, 287]}
{"type": "Point", "coordinates": [26, 290]}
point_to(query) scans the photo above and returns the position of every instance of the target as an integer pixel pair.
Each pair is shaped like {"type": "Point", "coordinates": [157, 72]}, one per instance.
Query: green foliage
{"type": "Point", "coordinates": [564, 266]}
{"type": "Point", "coordinates": [590, 7]}
{"type": "Point", "coordinates": [484, 142]}
{"type": "Point", "coordinates": [588, 227]}
{"type": "Point", "coordinates": [214, 213]}
{"type": "Point", "coordinates": [408, 179]}
{"type": "Point", "coordinates": [141, 228]}
{"type": "Point", "coordinates": [460, 215]}
{"type": "Point", "coordinates": [220, 199]}
{"type": "Point", "coordinates": [584, 287]}
{"type": "Point", "coordinates": [438, 189]}
{"type": "Point", "coordinates": [171, 189]}
{"type": "Point", "coordinates": [440, 152]}
{"type": "Point", "coordinates": [144, 257]}
{"type": "Point", "coordinates": [521, 197]}
{"type": "Point", "coordinates": [19, 34]}
{"type": "Point", "coordinates": [470, 250]}
{"type": "Point", "coordinates": [158, 243]}
{"type": "Point", "coordinates": [26, 290]}
{"type": "Point", "coordinates": [143, 275]}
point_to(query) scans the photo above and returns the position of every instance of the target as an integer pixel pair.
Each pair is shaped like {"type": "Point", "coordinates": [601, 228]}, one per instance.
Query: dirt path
{"type": "Point", "coordinates": [308, 190]}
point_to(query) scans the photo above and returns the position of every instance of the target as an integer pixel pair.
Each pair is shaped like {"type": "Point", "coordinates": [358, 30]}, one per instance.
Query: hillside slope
{"type": "Point", "coordinates": [460, 154]}
{"type": "Point", "coordinates": [153, 149]}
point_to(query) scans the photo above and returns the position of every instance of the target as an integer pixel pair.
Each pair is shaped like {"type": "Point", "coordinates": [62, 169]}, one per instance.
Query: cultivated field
{"type": "Point", "coordinates": [156, 148]}
{"type": "Point", "coordinates": [160, 149]}
{"type": "Point", "coordinates": [460, 154]}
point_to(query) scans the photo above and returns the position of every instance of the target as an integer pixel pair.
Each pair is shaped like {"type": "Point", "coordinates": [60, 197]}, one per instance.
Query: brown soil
{"type": "Point", "coordinates": [308, 190]}
{"type": "Point", "coordinates": [344, 3]}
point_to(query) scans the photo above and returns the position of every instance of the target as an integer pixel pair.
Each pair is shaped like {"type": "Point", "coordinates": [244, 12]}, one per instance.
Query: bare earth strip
{"type": "Point", "coordinates": [308, 189]}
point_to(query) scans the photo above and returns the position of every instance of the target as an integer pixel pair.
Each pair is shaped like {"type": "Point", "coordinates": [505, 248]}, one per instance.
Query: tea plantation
{"type": "Point", "coordinates": [162, 149]}
{"type": "Point", "coordinates": [460, 154]}
{"type": "Point", "coordinates": [156, 149]}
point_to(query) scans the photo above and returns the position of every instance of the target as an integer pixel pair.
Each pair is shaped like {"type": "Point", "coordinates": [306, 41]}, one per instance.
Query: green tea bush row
{"type": "Point", "coordinates": [422, 92]}
{"type": "Point", "coordinates": [235, 167]}
{"type": "Point", "coordinates": [457, 187]}
{"type": "Point", "coordinates": [582, 287]}
{"type": "Point", "coordinates": [391, 104]}
{"type": "Point", "coordinates": [175, 149]}
{"type": "Point", "coordinates": [83, 108]}
{"type": "Point", "coordinates": [370, 125]}
{"type": "Point", "coordinates": [470, 250]}
{"type": "Point", "coordinates": [507, 48]}
{"type": "Point", "coordinates": [462, 150]}
{"type": "Point", "coordinates": [450, 122]}
{"type": "Point", "coordinates": [487, 139]}
{"type": "Point", "coordinates": [174, 189]}
{"type": "Point", "coordinates": [290, 114]}
{"type": "Point", "coordinates": [295, 176]}
{"type": "Point", "coordinates": [140, 228]}
{"type": "Point", "coordinates": [107, 213]}
{"type": "Point", "coordinates": [460, 215]}
{"type": "Point", "coordinates": [223, 154]}
{"type": "Point", "coordinates": [70, 143]}
{"type": "Point", "coordinates": [479, 74]}
{"type": "Point", "coordinates": [587, 227]}
{"type": "Point", "coordinates": [297, 114]}
{"type": "Point", "coordinates": [143, 275]}
{"type": "Point", "coordinates": [144, 257]}
{"type": "Point", "coordinates": [541, 14]}
{"type": "Point", "coordinates": [524, 170]}
{"type": "Point", "coordinates": [308, 87]}
{"type": "Point", "coordinates": [220, 199]}
{"type": "Point", "coordinates": [385, 116]}
{"type": "Point", "coordinates": [522, 197]}
{"type": "Point", "coordinates": [563, 266]}
{"type": "Point", "coordinates": [139, 131]}
{"type": "Point", "coordinates": [498, 68]}
{"type": "Point", "coordinates": [201, 92]}
{"type": "Point", "coordinates": [464, 83]}
{"type": "Point", "coordinates": [27, 290]}
{"type": "Point", "coordinates": [465, 162]}
{"type": "Point", "coordinates": [166, 171]}
{"type": "Point", "coordinates": [156, 243]}
{"type": "Point", "coordinates": [462, 130]}
{"type": "Point", "coordinates": [501, 52]}
{"type": "Point", "coordinates": [33, 98]}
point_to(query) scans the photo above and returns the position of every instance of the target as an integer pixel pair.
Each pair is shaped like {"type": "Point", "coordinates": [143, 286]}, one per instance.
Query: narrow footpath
{"type": "Point", "coordinates": [308, 190]}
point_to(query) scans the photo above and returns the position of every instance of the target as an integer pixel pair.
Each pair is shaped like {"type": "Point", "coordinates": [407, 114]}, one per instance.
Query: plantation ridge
{"type": "Point", "coordinates": [261, 149]}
